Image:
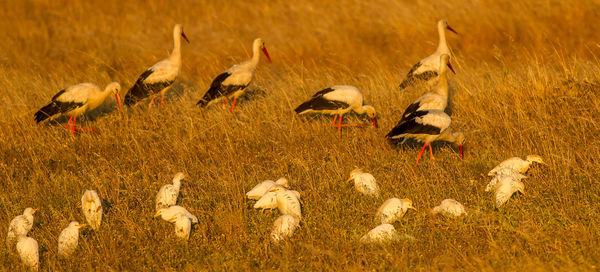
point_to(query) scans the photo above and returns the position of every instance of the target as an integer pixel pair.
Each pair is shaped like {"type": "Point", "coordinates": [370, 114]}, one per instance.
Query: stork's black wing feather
{"type": "Point", "coordinates": [142, 89]}
{"type": "Point", "coordinates": [217, 89]}
{"type": "Point", "coordinates": [411, 126]}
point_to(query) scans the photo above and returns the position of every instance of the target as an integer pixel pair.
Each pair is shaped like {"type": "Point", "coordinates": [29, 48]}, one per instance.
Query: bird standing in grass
{"type": "Point", "coordinates": [159, 77]}
{"type": "Point", "coordinates": [92, 208]}
{"type": "Point", "coordinates": [449, 207]}
{"type": "Point", "coordinates": [365, 183]}
{"type": "Point", "coordinates": [75, 101]}
{"type": "Point", "coordinates": [68, 239]}
{"type": "Point", "coordinates": [28, 251]}
{"type": "Point", "coordinates": [393, 209]}
{"type": "Point", "coordinates": [338, 100]}
{"type": "Point", "coordinates": [168, 193]}
{"type": "Point", "coordinates": [233, 82]}
{"type": "Point", "coordinates": [429, 67]}
{"type": "Point", "coordinates": [20, 225]}
{"type": "Point", "coordinates": [518, 164]}
{"type": "Point", "coordinates": [284, 227]}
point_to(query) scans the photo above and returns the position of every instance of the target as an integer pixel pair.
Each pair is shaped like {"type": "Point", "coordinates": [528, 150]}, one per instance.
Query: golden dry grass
{"type": "Point", "coordinates": [526, 83]}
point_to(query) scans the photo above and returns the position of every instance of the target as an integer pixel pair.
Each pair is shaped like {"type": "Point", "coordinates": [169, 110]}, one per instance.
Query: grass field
{"type": "Point", "coordinates": [527, 83]}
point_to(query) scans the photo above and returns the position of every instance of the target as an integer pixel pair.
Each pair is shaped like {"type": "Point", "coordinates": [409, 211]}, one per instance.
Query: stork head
{"type": "Point", "coordinates": [443, 23]}
{"type": "Point", "coordinates": [115, 88]}
{"type": "Point", "coordinates": [535, 158]}
{"type": "Point", "coordinates": [260, 44]}
{"type": "Point", "coordinates": [370, 111]}
{"type": "Point", "coordinates": [407, 204]}
{"type": "Point", "coordinates": [459, 139]}
{"type": "Point", "coordinates": [178, 31]}
{"type": "Point", "coordinates": [445, 60]}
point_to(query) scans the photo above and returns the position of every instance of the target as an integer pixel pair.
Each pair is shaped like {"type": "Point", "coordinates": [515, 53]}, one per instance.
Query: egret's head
{"type": "Point", "coordinates": [408, 204]}
{"type": "Point", "coordinates": [535, 158]}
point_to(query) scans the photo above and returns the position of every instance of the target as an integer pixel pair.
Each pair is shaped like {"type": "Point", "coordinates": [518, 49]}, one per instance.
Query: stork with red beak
{"type": "Point", "coordinates": [429, 67]}
{"type": "Point", "coordinates": [76, 100]}
{"type": "Point", "coordinates": [338, 100]}
{"type": "Point", "coordinates": [233, 82]}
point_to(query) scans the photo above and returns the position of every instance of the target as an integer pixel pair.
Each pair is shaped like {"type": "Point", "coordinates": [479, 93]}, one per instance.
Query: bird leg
{"type": "Point", "coordinates": [68, 123]}
{"type": "Point", "coordinates": [431, 152]}
{"type": "Point", "coordinates": [151, 101]}
{"type": "Point", "coordinates": [233, 105]}
{"type": "Point", "coordinates": [334, 119]}
{"type": "Point", "coordinates": [73, 128]}
{"type": "Point", "coordinates": [162, 97]}
{"type": "Point", "coordinates": [420, 154]}
{"type": "Point", "coordinates": [225, 102]}
{"type": "Point", "coordinates": [340, 126]}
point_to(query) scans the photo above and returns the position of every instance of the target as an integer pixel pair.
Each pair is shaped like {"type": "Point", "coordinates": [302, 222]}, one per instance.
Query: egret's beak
{"type": "Point", "coordinates": [374, 120]}
{"type": "Point", "coordinates": [118, 98]}
{"type": "Point", "coordinates": [157, 214]}
{"type": "Point", "coordinates": [172, 220]}
{"type": "Point", "coordinates": [81, 225]}
{"type": "Point", "coordinates": [451, 69]}
{"type": "Point", "coordinates": [411, 207]}
{"type": "Point", "coordinates": [34, 210]}
{"type": "Point", "coordinates": [267, 54]}
{"type": "Point", "coordinates": [272, 190]}
{"type": "Point", "coordinates": [543, 163]}
{"type": "Point", "coordinates": [461, 151]}
{"type": "Point", "coordinates": [349, 179]}
{"type": "Point", "coordinates": [185, 37]}
{"type": "Point", "coordinates": [449, 28]}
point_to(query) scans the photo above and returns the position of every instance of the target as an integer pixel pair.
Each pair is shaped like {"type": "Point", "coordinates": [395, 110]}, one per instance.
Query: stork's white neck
{"type": "Point", "coordinates": [442, 86]}
{"type": "Point", "coordinates": [255, 54]}
{"type": "Point", "coordinates": [362, 109]}
{"type": "Point", "coordinates": [442, 46]}
{"type": "Point", "coordinates": [176, 54]}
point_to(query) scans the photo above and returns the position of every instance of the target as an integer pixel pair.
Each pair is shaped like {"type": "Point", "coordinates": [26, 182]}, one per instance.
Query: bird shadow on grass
{"type": "Point", "coordinates": [410, 144]}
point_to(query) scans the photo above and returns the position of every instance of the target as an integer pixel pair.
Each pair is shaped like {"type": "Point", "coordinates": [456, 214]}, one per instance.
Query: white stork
{"type": "Point", "coordinates": [76, 100]}
{"type": "Point", "coordinates": [429, 67]}
{"type": "Point", "coordinates": [233, 82]}
{"type": "Point", "coordinates": [428, 126]}
{"type": "Point", "coordinates": [159, 77]}
{"type": "Point", "coordinates": [338, 100]}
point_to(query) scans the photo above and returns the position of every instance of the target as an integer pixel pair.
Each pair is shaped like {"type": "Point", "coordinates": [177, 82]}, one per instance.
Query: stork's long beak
{"type": "Point", "coordinates": [451, 69]}
{"type": "Point", "coordinates": [449, 28]}
{"type": "Point", "coordinates": [118, 97]}
{"type": "Point", "coordinates": [185, 37]}
{"type": "Point", "coordinates": [374, 120]}
{"type": "Point", "coordinates": [461, 151]}
{"type": "Point", "coordinates": [267, 54]}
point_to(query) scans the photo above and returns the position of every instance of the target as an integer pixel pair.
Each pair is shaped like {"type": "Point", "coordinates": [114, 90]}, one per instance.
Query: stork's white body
{"type": "Point", "coordinates": [168, 193]}
{"type": "Point", "coordinates": [28, 251]}
{"type": "Point", "coordinates": [392, 210]}
{"type": "Point", "coordinates": [450, 207]}
{"type": "Point", "coordinates": [284, 227]}
{"type": "Point", "coordinates": [20, 225]}
{"type": "Point", "coordinates": [346, 94]}
{"type": "Point", "coordinates": [92, 208]}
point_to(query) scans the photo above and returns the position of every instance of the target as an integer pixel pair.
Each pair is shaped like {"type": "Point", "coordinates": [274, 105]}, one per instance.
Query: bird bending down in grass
{"type": "Point", "coordinates": [338, 100]}
{"type": "Point", "coordinates": [168, 214]}
{"type": "Point", "coordinates": [233, 82]}
{"type": "Point", "coordinates": [500, 174]}
{"type": "Point", "coordinates": [28, 251]}
{"type": "Point", "coordinates": [518, 164]}
{"type": "Point", "coordinates": [284, 227]}
{"type": "Point", "coordinates": [288, 201]}
{"type": "Point", "coordinates": [168, 193]}
{"type": "Point", "coordinates": [20, 225]}
{"type": "Point", "coordinates": [75, 101]}
{"type": "Point", "coordinates": [505, 188]}
{"type": "Point", "coordinates": [382, 234]}
{"type": "Point", "coordinates": [364, 183]}
{"type": "Point", "coordinates": [262, 188]}
{"type": "Point", "coordinates": [429, 67]}
{"type": "Point", "coordinates": [449, 207]}
{"type": "Point", "coordinates": [393, 209]}
{"type": "Point", "coordinates": [92, 208]}
{"type": "Point", "coordinates": [160, 77]}
{"type": "Point", "coordinates": [68, 239]}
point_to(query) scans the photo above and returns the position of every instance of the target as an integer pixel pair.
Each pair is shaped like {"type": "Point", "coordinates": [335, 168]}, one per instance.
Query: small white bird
{"type": "Point", "coordinates": [288, 201]}
{"type": "Point", "coordinates": [183, 226]}
{"type": "Point", "coordinates": [429, 67]}
{"type": "Point", "coordinates": [383, 233]}
{"type": "Point", "coordinates": [518, 164]}
{"type": "Point", "coordinates": [449, 207]}
{"type": "Point", "coordinates": [28, 251]}
{"type": "Point", "coordinates": [267, 201]}
{"type": "Point", "coordinates": [262, 188]}
{"type": "Point", "coordinates": [92, 208]}
{"type": "Point", "coordinates": [505, 188]}
{"type": "Point", "coordinates": [393, 209]}
{"type": "Point", "coordinates": [20, 225]}
{"type": "Point", "coordinates": [68, 239]}
{"type": "Point", "coordinates": [233, 82]}
{"type": "Point", "coordinates": [168, 193]}
{"type": "Point", "coordinates": [159, 77]}
{"type": "Point", "coordinates": [284, 227]}
{"type": "Point", "coordinates": [503, 172]}
{"type": "Point", "coordinates": [169, 213]}
{"type": "Point", "coordinates": [338, 100]}
{"type": "Point", "coordinates": [365, 183]}
{"type": "Point", "coordinates": [76, 100]}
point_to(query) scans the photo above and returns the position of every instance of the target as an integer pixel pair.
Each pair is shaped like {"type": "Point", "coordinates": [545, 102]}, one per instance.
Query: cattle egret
{"type": "Point", "coordinates": [338, 100]}
{"type": "Point", "coordinates": [365, 183]}
{"type": "Point", "coordinates": [92, 208]}
{"type": "Point", "coordinates": [288, 201]}
{"type": "Point", "coordinates": [68, 239]}
{"type": "Point", "coordinates": [20, 225]}
{"type": "Point", "coordinates": [382, 234]}
{"type": "Point", "coordinates": [183, 226]}
{"type": "Point", "coordinates": [233, 82]}
{"type": "Point", "coordinates": [168, 193]}
{"type": "Point", "coordinates": [518, 164]}
{"type": "Point", "coordinates": [450, 207]}
{"type": "Point", "coordinates": [159, 77]}
{"type": "Point", "coordinates": [284, 227]}
{"type": "Point", "coordinates": [262, 188]}
{"type": "Point", "coordinates": [429, 67]}
{"type": "Point", "coordinates": [169, 213]}
{"type": "Point", "coordinates": [28, 251]}
{"type": "Point", "coordinates": [393, 209]}
{"type": "Point", "coordinates": [505, 188]}
{"type": "Point", "coordinates": [503, 172]}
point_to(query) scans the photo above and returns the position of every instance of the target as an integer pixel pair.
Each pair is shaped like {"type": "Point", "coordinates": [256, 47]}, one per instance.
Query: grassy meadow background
{"type": "Point", "coordinates": [527, 82]}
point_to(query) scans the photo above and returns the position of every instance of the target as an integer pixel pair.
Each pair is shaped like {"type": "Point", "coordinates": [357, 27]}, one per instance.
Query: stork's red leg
{"type": "Point", "coordinates": [420, 154]}
{"type": "Point", "coordinates": [74, 121]}
{"type": "Point", "coordinates": [151, 102]}
{"type": "Point", "coordinates": [431, 152]}
{"type": "Point", "coordinates": [334, 119]}
{"type": "Point", "coordinates": [162, 97]}
{"type": "Point", "coordinates": [68, 123]}
{"type": "Point", "coordinates": [233, 105]}
{"type": "Point", "coordinates": [340, 126]}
